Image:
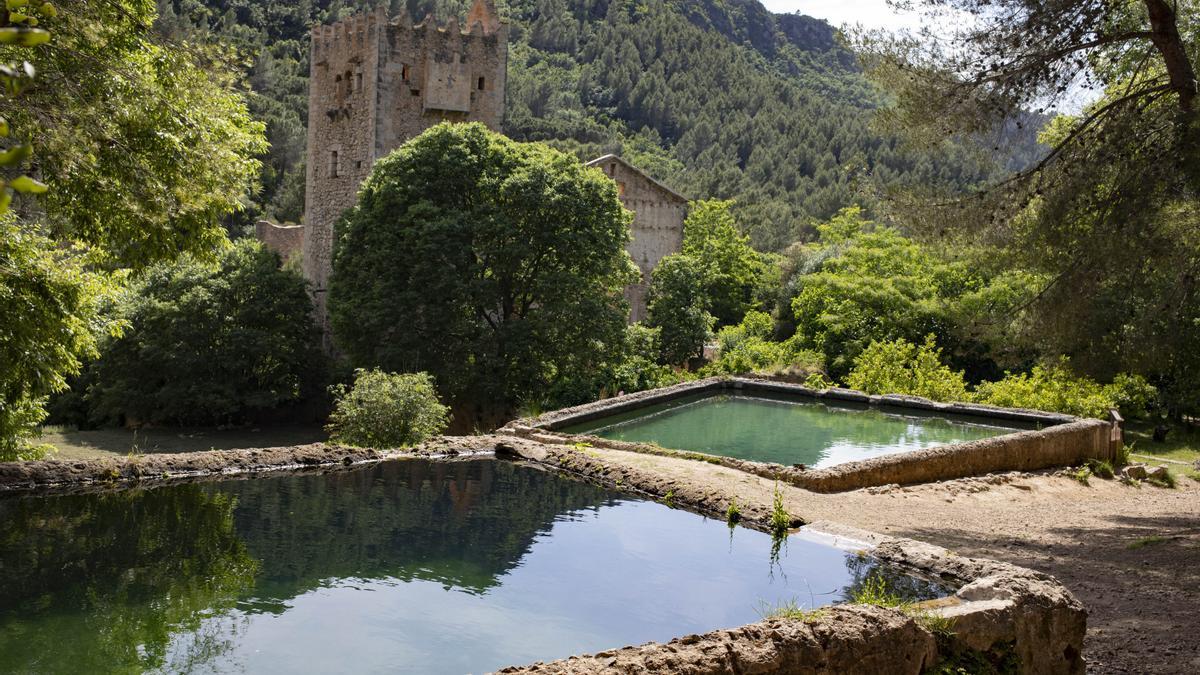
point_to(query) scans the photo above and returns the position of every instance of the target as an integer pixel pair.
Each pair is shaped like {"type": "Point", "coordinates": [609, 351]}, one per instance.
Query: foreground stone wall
{"type": "Point", "coordinates": [1062, 440]}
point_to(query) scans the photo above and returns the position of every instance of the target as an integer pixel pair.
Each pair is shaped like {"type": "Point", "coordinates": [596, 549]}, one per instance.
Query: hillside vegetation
{"type": "Point", "coordinates": [720, 98]}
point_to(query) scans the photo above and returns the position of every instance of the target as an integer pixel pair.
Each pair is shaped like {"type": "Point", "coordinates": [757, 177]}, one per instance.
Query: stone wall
{"type": "Point", "coordinates": [374, 83]}
{"type": "Point", "coordinates": [658, 215]}
{"type": "Point", "coordinates": [285, 240]}
{"type": "Point", "coordinates": [1058, 440]}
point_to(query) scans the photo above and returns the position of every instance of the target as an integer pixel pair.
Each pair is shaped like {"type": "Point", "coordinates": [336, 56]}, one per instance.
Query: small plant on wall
{"type": "Point", "coordinates": [386, 410]}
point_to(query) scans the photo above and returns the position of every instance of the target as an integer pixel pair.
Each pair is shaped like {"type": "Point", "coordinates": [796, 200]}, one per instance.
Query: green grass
{"type": "Point", "coordinates": [1082, 475]}
{"type": "Point", "coordinates": [1101, 468]}
{"type": "Point", "coordinates": [781, 520]}
{"type": "Point", "coordinates": [876, 591]}
{"type": "Point", "coordinates": [1146, 541]}
{"type": "Point", "coordinates": [789, 609]}
{"type": "Point", "coordinates": [733, 514]}
{"type": "Point", "coordinates": [1182, 445]}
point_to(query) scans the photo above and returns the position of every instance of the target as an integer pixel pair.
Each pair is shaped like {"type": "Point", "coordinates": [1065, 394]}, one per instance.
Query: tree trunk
{"type": "Point", "coordinates": [1165, 36]}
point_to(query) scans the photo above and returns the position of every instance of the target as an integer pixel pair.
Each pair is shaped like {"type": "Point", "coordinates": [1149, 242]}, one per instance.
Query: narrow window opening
{"type": "Point", "coordinates": [358, 81]}
{"type": "Point", "coordinates": [415, 92]}
{"type": "Point", "coordinates": [349, 82]}
{"type": "Point", "coordinates": [481, 83]}
{"type": "Point", "coordinates": [404, 71]}
{"type": "Point", "coordinates": [333, 164]}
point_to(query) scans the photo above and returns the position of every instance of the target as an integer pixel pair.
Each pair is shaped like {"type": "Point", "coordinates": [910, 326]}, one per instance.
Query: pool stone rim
{"type": "Point", "coordinates": [1059, 440]}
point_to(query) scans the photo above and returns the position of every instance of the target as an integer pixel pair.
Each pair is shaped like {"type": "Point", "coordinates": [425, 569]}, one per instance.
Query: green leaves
{"type": "Point", "coordinates": [503, 263]}
{"type": "Point", "coordinates": [28, 185]}
{"type": "Point", "coordinates": [387, 410]}
{"type": "Point", "coordinates": [209, 343]}
{"type": "Point", "coordinates": [18, 36]}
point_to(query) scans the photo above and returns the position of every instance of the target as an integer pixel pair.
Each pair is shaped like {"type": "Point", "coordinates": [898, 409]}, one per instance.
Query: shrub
{"type": "Point", "coordinates": [747, 348]}
{"type": "Point", "coordinates": [1056, 388]}
{"type": "Point", "coordinates": [209, 344]}
{"type": "Point", "coordinates": [900, 367]}
{"type": "Point", "coordinates": [386, 410]}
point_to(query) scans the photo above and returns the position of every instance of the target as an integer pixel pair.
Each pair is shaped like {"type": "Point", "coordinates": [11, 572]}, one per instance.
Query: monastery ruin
{"type": "Point", "coordinates": [376, 82]}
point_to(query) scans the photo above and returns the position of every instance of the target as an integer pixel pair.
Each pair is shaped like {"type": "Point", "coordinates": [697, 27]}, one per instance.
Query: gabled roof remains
{"type": "Point", "coordinates": [610, 157]}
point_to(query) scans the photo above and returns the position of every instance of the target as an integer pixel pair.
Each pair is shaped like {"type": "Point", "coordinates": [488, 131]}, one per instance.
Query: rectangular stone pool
{"type": "Point", "coordinates": [405, 566]}
{"type": "Point", "coordinates": [784, 430]}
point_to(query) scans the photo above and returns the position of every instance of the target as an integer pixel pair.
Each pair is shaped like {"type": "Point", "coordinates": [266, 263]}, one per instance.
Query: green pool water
{"type": "Point", "coordinates": [411, 566]}
{"type": "Point", "coordinates": [784, 431]}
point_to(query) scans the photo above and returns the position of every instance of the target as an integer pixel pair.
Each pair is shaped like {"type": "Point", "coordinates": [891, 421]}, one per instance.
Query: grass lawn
{"type": "Point", "coordinates": [109, 442]}
{"type": "Point", "coordinates": [1182, 445]}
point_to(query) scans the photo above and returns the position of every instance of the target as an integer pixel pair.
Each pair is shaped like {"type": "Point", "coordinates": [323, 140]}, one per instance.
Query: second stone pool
{"type": "Point", "coordinates": [784, 430]}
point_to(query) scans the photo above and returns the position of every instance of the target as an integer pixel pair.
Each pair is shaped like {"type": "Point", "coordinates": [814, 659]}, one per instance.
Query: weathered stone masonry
{"type": "Point", "coordinates": [658, 214]}
{"type": "Point", "coordinates": [376, 82]}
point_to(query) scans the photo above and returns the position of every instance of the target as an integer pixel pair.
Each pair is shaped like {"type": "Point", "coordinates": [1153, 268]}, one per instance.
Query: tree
{"type": "Point", "coordinates": [863, 282]}
{"type": "Point", "coordinates": [678, 307]}
{"type": "Point", "coordinates": [142, 148]}
{"type": "Point", "coordinates": [730, 266]}
{"type": "Point", "coordinates": [209, 344]}
{"type": "Point", "coordinates": [1108, 215]}
{"type": "Point", "coordinates": [145, 146]}
{"type": "Point", "coordinates": [50, 304]}
{"type": "Point", "coordinates": [495, 266]}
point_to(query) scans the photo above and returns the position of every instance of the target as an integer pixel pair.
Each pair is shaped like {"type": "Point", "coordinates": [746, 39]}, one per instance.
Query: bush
{"type": "Point", "coordinates": [209, 344]}
{"type": "Point", "coordinates": [747, 348]}
{"type": "Point", "coordinates": [900, 367]}
{"type": "Point", "coordinates": [386, 410]}
{"type": "Point", "coordinates": [1046, 387]}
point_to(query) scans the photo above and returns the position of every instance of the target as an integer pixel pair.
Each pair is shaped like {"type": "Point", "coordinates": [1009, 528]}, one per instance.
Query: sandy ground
{"type": "Point", "coordinates": [1143, 597]}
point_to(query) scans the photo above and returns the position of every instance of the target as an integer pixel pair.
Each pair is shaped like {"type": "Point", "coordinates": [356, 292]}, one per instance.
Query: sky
{"type": "Point", "coordinates": [870, 13]}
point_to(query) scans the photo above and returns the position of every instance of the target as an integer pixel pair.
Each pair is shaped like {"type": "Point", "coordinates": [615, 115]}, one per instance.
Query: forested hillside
{"type": "Point", "coordinates": [720, 98]}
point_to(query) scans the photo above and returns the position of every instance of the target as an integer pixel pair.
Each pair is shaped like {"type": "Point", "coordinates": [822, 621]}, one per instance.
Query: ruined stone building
{"type": "Point", "coordinates": [376, 82]}
{"type": "Point", "coordinates": [658, 214]}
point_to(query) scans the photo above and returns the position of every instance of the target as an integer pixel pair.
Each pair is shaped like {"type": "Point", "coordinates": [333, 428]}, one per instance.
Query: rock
{"type": "Point", "coordinates": [1157, 473]}
{"type": "Point", "coordinates": [1135, 472]}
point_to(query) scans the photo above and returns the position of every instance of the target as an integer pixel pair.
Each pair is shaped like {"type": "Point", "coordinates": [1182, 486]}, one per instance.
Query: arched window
{"type": "Point", "coordinates": [349, 83]}
{"type": "Point", "coordinates": [404, 71]}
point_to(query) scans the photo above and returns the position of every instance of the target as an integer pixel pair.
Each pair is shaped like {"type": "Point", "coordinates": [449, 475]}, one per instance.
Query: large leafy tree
{"type": "Point", "coordinates": [495, 266]}
{"type": "Point", "coordinates": [1108, 215]}
{"type": "Point", "coordinates": [145, 146]}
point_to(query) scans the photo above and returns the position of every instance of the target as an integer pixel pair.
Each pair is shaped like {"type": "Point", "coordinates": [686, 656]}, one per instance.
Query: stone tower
{"type": "Point", "coordinates": [376, 82]}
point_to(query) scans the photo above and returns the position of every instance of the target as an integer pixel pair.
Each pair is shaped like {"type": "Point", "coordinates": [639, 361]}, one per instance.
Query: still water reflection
{"type": "Point", "coordinates": [409, 566]}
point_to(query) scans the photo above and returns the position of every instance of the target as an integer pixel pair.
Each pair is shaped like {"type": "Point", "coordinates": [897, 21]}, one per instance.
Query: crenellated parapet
{"type": "Point", "coordinates": [376, 81]}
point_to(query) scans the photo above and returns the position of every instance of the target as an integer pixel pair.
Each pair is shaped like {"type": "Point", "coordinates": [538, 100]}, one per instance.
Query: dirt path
{"type": "Point", "coordinates": [1142, 594]}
